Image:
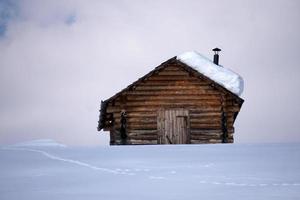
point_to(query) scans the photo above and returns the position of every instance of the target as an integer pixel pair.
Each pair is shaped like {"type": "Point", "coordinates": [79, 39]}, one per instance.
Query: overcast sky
{"type": "Point", "coordinates": [58, 59]}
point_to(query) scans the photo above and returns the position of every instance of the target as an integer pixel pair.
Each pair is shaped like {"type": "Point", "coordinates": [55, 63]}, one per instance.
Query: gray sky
{"type": "Point", "coordinates": [58, 59]}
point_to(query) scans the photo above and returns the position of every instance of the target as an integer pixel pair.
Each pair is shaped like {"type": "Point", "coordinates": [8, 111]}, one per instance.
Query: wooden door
{"type": "Point", "coordinates": [173, 126]}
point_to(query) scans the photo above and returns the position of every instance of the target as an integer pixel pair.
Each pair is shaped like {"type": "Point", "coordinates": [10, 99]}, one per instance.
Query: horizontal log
{"type": "Point", "coordinates": [142, 114]}
{"type": "Point", "coordinates": [142, 126]}
{"type": "Point", "coordinates": [199, 142]}
{"type": "Point", "coordinates": [174, 102]}
{"type": "Point", "coordinates": [173, 73]}
{"type": "Point", "coordinates": [215, 141]}
{"type": "Point", "coordinates": [232, 109]}
{"type": "Point", "coordinates": [195, 123]}
{"type": "Point", "coordinates": [118, 109]}
{"type": "Point", "coordinates": [142, 137]}
{"type": "Point", "coordinates": [171, 100]}
{"type": "Point", "coordinates": [143, 120]}
{"type": "Point", "coordinates": [229, 138]}
{"type": "Point", "coordinates": [216, 123]}
{"type": "Point", "coordinates": [141, 142]}
{"type": "Point", "coordinates": [167, 83]}
{"type": "Point", "coordinates": [172, 92]}
{"type": "Point", "coordinates": [205, 137]}
{"type": "Point", "coordinates": [205, 126]}
{"type": "Point", "coordinates": [137, 114]}
{"type": "Point", "coordinates": [173, 68]}
{"type": "Point", "coordinates": [137, 125]}
{"type": "Point", "coordinates": [212, 135]}
{"type": "Point", "coordinates": [172, 78]}
{"type": "Point", "coordinates": [173, 87]}
{"type": "Point", "coordinates": [135, 122]}
{"type": "Point", "coordinates": [136, 109]}
{"type": "Point", "coordinates": [206, 132]}
{"type": "Point", "coordinates": [206, 120]}
{"type": "Point", "coordinates": [142, 132]}
{"type": "Point", "coordinates": [174, 97]}
{"type": "Point", "coordinates": [153, 119]}
{"type": "Point", "coordinates": [199, 113]}
{"type": "Point", "coordinates": [229, 102]}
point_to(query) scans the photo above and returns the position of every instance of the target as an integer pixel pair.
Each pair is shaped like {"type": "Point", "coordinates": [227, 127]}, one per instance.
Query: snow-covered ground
{"type": "Point", "coordinates": [47, 170]}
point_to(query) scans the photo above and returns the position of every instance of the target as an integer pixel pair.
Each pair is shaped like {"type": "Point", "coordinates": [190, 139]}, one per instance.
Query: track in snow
{"type": "Point", "coordinates": [76, 162]}
{"type": "Point", "coordinates": [152, 177]}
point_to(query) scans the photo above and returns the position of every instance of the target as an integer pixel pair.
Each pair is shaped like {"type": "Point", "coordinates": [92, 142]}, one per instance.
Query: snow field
{"type": "Point", "coordinates": [238, 171]}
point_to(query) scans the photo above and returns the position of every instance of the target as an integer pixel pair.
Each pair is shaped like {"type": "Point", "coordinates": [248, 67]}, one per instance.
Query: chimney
{"type": "Point", "coordinates": [216, 56]}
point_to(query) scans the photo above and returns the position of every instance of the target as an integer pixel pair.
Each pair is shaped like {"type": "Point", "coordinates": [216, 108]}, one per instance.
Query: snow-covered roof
{"type": "Point", "coordinates": [221, 75]}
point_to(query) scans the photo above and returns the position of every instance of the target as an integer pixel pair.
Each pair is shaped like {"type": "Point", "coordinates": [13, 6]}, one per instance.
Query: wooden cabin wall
{"type": "Point", "coordinates": [172, 88]}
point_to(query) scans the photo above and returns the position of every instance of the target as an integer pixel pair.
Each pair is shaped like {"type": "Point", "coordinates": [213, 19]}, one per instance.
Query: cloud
{"type": "Point", "coordinates": [8, 11]}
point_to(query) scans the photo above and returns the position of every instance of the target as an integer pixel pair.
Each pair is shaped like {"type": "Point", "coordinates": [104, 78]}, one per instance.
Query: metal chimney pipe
{"type": "Point", "coordinates": [216, 56]}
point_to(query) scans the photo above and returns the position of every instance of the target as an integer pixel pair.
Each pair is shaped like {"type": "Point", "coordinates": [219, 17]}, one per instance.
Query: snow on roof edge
{"type": "Point", "coordinates": [223, 76]}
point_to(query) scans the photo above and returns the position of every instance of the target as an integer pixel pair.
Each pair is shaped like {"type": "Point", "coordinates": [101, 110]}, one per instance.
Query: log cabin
{"type": "Point", "coordinates": [188, 99]}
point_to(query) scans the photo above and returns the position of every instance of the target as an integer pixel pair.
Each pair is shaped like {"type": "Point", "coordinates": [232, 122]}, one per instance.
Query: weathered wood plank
{"type": "Point", "coordinates": [172, 78]}
{"type": "Point", "coordinates": [205, 126]}
{"type": "Point", "coordinates": [172, 103]}
{"type": "Point", "coordinates": [173, 87]}
{"type": "Point", "coordinates": [173, 68]}
{"type": "Point", "coordinates": [117, 109]}
{"type": "Point", "coordinates": [205, 137]}
{"type": "Point", "coordinates": [141, 114]}
{"type": "Point", "coordinates": [142, 142]}
{"type": "Point", "coordinates": [143, 137]}
{"type": "Point", "coordinates": [206, 132]}
{"type": "Point", "coordinates": [177, 97]}
{"type": "Point", "coordinates": [172, 92]}
{"type": "Point", "coordinates": [173, 73]}
{"type": "Point", "coordinates": [215, 141]}
{"type": "Point", "coordinates": [145, 120]}
{"type": "Point", "coordinates": [142, 126]}
{"type": "Point", "coordinates": [206, 120]}
{"type": "Point", "coordinates": [200, 114]}
{"type": "Point", "coordinates": [136, 109]}
{"type": "Point", "coordinates": [200, 142]}
{"type": "Point", "coordinates": [143, 132]}
{"type": "Point", "coordinates": [174, 83]}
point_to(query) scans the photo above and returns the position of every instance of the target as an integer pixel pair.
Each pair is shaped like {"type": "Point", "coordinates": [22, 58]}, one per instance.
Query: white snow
{"type": "Point", "coordinates": [215, 171]}
{"type": "Point", "coordinates": [223, 76]}
{"type": "Point", "coordinates": [40, 143]}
